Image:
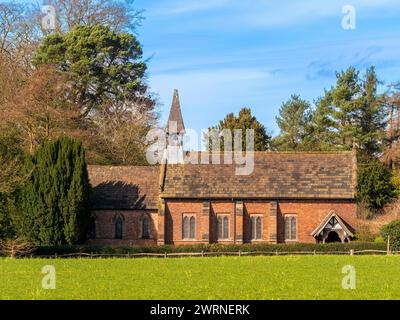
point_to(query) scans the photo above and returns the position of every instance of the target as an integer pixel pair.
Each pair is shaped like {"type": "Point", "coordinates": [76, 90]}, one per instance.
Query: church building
{"type": "Point", "coordinates": [289, 197]}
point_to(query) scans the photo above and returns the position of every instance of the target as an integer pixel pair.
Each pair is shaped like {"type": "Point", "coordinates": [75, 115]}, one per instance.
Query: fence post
{"type": "Point", "coordinates": [352, 252]}
{"type": "Point", "coordinates": [315, 252]}
{"type": "Point", "coordinates": [388, 246]}
{"type": "Point", "coordinates": [202, 253]}
{"type": "Point", "coordinates": [276, 252]}
{"type": "Point", "coordinates": [165, 254]}
{"type": "Point", "coordinates": [240, 253]}
{"type": "Point", "coordinates": [129, 255]}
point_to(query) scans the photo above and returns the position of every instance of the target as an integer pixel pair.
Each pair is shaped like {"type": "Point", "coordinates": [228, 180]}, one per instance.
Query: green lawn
{"type": "Point", "coordinates": [289, 277]}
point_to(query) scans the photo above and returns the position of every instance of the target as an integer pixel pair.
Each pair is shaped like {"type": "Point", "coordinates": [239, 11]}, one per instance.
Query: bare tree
{"type": "Point", "coordinates": [41, 108]}
{"type": "Point", "coordinates": [120, 15]}
{"type": "Point", "coordinates": [19, 31]}
{"type": "Point", "coordinates": [123, 127]}
{"type": "Point", "coordinates": [391, 155]}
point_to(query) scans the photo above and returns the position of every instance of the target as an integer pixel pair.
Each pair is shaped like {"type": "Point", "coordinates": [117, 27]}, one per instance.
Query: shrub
{"type": "Point", "coordinates": [271, 248]}
{"type": "Point", "coordinates": [364, 233]}
{"type": "Point", "coordinates": [393, 230]}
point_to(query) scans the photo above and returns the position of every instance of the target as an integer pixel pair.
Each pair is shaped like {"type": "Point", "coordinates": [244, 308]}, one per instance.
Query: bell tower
{"type": "Point", "coordinates": [175, 131]}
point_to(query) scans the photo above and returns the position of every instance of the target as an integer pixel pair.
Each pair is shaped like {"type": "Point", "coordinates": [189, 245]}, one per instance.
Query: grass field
{"type": "Point", "coordinates": [288, 277]}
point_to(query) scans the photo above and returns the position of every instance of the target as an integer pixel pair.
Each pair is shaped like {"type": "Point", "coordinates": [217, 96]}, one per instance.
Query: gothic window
{"type": "Point", "coordinates": [290, 227]}
{"type": "Point", "coordinates": [220, 231]}
{"type": "Point", "coordinates": [185, 229]}
{"type": "Point", "coordinates": [223, 227]}
{"type": "Point", "coordinates": [118, 227]}
{"type": "Point", "coordinates": [192, 227]}
{"type": "Point", "coordinates": [145, 228]}
{"type": "Point", "coordinates": [189, 227]}
{"type": "Point", "coordinates": [226, 227]}
{"type": "Point", "coordinates": [256, 227]}
{"type": "Point", "coordinates": [92, 228]}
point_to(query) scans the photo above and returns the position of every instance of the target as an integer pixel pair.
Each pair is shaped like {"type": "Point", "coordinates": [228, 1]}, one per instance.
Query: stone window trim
{"type": "Point", "coordinates": [291, 238]}
{"type": "Point", "coordinates": [190, 233]}
{"type": "Point", "coordinates": [223, 226]}
{"type": "Point", "coordinates": [253, 228]}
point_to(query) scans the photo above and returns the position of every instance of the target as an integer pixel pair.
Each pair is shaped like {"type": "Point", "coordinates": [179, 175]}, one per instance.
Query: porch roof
{"type": "Point", "coordinates": [326, 220]}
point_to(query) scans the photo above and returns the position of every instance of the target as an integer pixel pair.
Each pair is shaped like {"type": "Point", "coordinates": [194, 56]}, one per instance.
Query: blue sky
{"type": "Point", "coordinates": [223, 55]}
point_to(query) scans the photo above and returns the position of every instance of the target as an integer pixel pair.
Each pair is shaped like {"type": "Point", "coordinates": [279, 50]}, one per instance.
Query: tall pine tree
{"type": "Point", "coordinates": [350, 112]}
{"type": "Point", "coordinates": [54, 202]}
{"type": "Point", "coordinates": [294, 123]}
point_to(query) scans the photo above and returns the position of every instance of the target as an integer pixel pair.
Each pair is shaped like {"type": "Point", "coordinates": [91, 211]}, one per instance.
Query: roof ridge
{"type": "Point", "coordinates": [120, 166]}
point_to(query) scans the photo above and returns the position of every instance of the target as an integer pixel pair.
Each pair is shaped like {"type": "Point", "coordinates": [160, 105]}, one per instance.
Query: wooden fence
{"type": "Point", "coordinates": [216, 254]}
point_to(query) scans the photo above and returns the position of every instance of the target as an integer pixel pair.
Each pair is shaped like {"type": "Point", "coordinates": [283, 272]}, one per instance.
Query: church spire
{"type": "Point", "coordinates": [175, 119]}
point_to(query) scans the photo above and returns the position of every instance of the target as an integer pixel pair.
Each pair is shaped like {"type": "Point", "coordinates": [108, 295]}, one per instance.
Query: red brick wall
{"type": "Point", "coordinates": [105, 227]}
{"type": "Point", "coordinates": [310, 214]}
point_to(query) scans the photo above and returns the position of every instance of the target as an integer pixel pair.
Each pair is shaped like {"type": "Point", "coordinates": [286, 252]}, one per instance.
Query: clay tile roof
{"type": "Point", "coordinates": [124, 187]}
{"type": "Point", "coordinates": [175, 115]}
{"type": "Point", "coordinates": [278, 175]}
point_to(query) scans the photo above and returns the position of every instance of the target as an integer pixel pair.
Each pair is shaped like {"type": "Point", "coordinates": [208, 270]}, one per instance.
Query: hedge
{"type": "Point", "coordinates": [323, 248]}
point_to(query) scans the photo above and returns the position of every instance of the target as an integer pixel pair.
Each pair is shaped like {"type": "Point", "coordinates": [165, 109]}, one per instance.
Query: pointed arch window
{"type": "Point", "coordinates": [119, 226]}
{"type": "Point", "coordinates": [189, 227]}
{"type": "Point", "coordinates": [145, 228]}
{"type": "Point", "coordinates": [92, 228]}
{"type": "Point", "coordinates": [256, 227]}
{"type": "Point", "coordinates": [192, 227]}
{"type": "Point", "coordinates": [220, 228]}
{"type": "Point", "coordinates": [291, 227]}
{"type": "Point", "coordinates": [223, 226]}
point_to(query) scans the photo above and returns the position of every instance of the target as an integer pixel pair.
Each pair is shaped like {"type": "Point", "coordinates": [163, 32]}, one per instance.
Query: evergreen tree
{"type": "Point", "coordinates": [375, 188]}
{"type": "Point", "coordinates": [372, 116]}
{"type": "Point", "coordinates": [54, 202]}
{"type": "Point", "coordinates": [350, 112]}
{"type": "Point", "coordinates": [7, 230]}
{"type": "Point", "coordinates": [245, 120]}
{"type": "Point", "coordinates": [337, 111]}
{"type": "Point", "coordinates": [294, 123]}
{"type": "Point", "coordinates": [103, 65]}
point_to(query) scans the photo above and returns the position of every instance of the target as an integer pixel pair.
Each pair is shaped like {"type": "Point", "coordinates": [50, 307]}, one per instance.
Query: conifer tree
{"type": "Point", "coordinates": [350, 112]}
{"type": "Point", "coordinates": [54, 202]}
{"type": "Point", "coordinates": [294, 123]}
{"type": "Point", "coordinates": [245, 120]}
